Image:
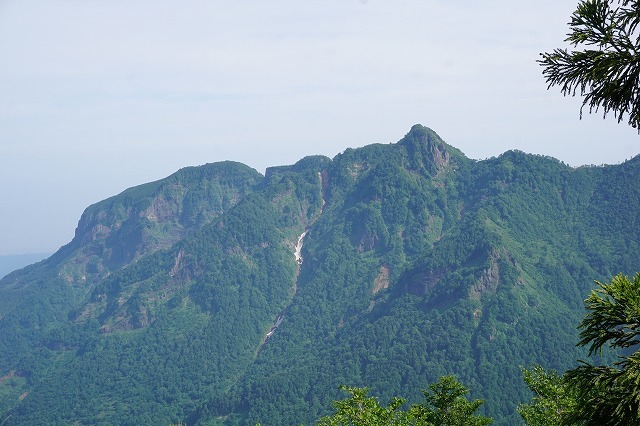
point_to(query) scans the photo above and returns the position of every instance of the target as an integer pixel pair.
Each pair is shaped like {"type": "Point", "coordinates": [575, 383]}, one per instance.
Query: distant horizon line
{"type": "Point", "coordinates": [33, 253]}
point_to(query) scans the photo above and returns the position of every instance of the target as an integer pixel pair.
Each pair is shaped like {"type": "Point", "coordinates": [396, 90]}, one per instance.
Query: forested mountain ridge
{"type": "Point", "coordinates": [187, 299]}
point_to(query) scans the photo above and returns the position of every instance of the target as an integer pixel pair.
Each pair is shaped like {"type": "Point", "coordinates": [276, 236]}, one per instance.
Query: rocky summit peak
{"type": "Point", "coordinates": [427, 151]}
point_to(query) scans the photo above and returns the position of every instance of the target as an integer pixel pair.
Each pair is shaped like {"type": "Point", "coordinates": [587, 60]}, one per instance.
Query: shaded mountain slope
{"type": "Point", "coordinates": [187, 300]}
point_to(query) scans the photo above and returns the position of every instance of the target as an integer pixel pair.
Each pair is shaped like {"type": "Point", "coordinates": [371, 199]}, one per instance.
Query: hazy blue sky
{"type": "Point", "coordinates": [100, 95]}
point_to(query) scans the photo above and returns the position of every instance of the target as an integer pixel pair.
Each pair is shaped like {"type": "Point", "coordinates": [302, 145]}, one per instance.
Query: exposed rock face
{"type": "Point", "coordinates": [152, 217]}
{"type": "Point", "coordinates": [428, 154]}
{"type": "Point", "coordinates": [489, 280]}
{"type": "Point", "coordinates": [382, 281]}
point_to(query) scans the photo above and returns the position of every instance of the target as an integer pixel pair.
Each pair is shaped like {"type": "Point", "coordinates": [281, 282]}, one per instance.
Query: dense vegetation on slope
{"type": "Point", "coordinates": [182, 300]}
{"type": "Point", "coordinates": [445, 404]}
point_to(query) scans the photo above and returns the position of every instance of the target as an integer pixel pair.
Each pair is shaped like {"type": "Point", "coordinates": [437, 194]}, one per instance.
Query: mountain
{"type": "Point", "coordinates": [221, 296]}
